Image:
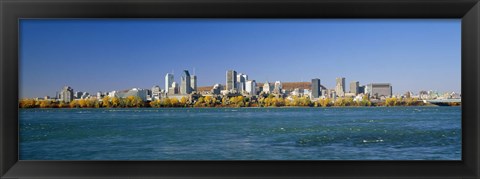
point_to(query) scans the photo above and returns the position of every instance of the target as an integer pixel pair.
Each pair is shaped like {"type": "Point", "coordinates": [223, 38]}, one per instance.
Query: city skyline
{"type": "Point", "coordinates": [107, 55]}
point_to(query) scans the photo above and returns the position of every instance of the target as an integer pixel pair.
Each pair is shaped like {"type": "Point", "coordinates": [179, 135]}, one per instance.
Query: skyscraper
{"type": "Point", "coordinates": [193, 82]}
{"type": "Point", "coordinates": [156, 92]}
{"type": "Point", "coordinates": [277, 87]}
{"type": "Point", "coordinates": [354, 87]}
{"type": "Point", "coordinates": [168, 81]}
{"type": "Point", "coordinates": [231, 79]}
{"type": "Point", "coordinates": [241, 80]}
{"type": "Point", "coordinates": [186, 87]}
{"type": "Point", "coordinates": [266, 87]}
{"type": "Point", "coordinates": [173, 89]}
{"type": "Point", "coordinates": [66, 95]}
{"type": "Point", "coordinates": [316, 88]}
{"type": "Point", "coordinates": [340, 86]}
{"type": "Point", "coordinates": [251, 87]}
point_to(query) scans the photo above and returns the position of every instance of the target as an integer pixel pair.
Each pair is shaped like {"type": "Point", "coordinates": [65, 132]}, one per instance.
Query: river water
{"type": "Point", "coordinates": [344, 133]}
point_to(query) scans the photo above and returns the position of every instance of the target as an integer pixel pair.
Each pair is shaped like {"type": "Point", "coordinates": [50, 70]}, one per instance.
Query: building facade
{"type": "Point", "coordinates": [138, 92]}
{"type": "Point", "coordinates": [315, 87]}
{"type": "Point", "coordinates": [354, 87]}
{"type": "Point", "coordinates": [340, 86]}
{"type": "Point", "coordinates": [277, 88]}
{"type": "Point", "coordinates": [266, 87]}
{"type": "Point", "coordinates": [168, 81]}
{"type": "Point", "coordinates": [361, 89]}
{"type": "Point", "coordinates": [66, 95]}
{"type": "Point", "coordinates": [174, 89]}
{"type": "Point", "coordinates": [231, 80]}
{"type": "Point", "coordinates": [217, 88]}
{"type": "Point", "coordinates": [156, 92]}
{"type": "Point", "coordinates": [186, 87]}
{"type": "Point", "coordinates": [241, 82]}
{"type": "Point", "coordinates": [251, 87]}
{"type": "Point", "coordinates": [193, 82]}
{"type": "Point", "coordinates": [379, 90]}
{"type": "Point", "coordinates": [324, 93]}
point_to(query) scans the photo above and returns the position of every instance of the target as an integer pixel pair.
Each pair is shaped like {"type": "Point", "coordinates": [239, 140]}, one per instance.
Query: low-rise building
{"type": "Point", "coordinates": [379, 90]}
{"type": "Point", "coordinates": [217, 88]}
{"type": "Point", "coordinates": [142, 93]}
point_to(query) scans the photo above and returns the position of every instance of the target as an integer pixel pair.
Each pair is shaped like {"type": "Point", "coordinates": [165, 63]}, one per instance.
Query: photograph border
{"type": "Point", "coordinates": [466, 10]}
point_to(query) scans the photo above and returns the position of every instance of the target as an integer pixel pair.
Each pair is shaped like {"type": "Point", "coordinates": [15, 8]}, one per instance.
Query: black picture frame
{"type": "Point", "coordinates": [467, 10]}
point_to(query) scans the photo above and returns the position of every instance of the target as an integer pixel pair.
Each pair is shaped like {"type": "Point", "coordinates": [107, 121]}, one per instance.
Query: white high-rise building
{"type": "Point", "coordinates": [174, 89]}
{"type": "Point", "coordinates": [156, 92]}
{"type": "Point", "coordinates": [193, 82]}
{"type": "Point", "coordinates": [241, 80]}
{"type": "Point", "coordinates": [340, 86]}
{"type": "Point", "coordinates": [66, 95]}
{"type": "Point", "coordinates": [278, 87]}
{"type": "Point", "coordinates": [266, 87]}
{"type": "Point", "coordinates": [251, 86]}
{"type": "Point", "coordinates": [168, 81]}
{"type": "Point", "coordinates": [186, 87]}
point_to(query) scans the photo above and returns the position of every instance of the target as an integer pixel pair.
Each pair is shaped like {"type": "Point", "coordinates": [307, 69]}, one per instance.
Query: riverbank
{"type": "Point", "coordinates": [53, 105]}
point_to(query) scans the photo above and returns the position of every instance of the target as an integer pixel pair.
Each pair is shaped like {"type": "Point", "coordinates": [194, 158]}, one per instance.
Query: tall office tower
{"type": "Point", "coordinates": [241, 80]}
{"type": "Point", "coordinates": [231, 83]}
{"type": "Point", "coordinates": [66, 95]}
{"type": "Point", "coordinates": [156, 92]}
{"type": "Point", "coordinates": [186, 87]}
{"type": "Point", "coordinates": [361, 89]}
{"type": "Point", "coordinates": [168, 81]}
{"type": "Point", "coordinates": [316, 88]}
{"type": "Point", "coordinates": [277, 87]}
{"type": "Point", "coordinates": [340, 86]}
{"type": "Point", "coordinates": [245, 77]}
{"type": "Point", "coordinates": [251, 87]}
{"type": "Point", "coordinates": [354, 87]}
{"type": "Point", "coordinates": [173, 89]}
{"type": "Point", "coordinates": [266, 87]}
{"type": "Point", "coordinates": [193, 82]}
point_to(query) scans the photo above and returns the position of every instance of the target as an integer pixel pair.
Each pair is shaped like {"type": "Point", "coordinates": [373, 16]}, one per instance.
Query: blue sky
{"type": "Point", "coordinates": [106, 54]}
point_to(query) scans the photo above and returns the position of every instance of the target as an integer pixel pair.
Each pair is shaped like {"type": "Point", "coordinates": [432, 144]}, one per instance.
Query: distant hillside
{"type": "Point", "coordinates": [285, 85]}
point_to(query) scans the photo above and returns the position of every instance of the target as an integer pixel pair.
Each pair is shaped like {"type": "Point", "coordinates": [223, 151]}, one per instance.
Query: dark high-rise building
{"type": "Point", "coordinates": [186, 87]}
{"type": "Point", "coordinates": [361, 89]}
{"type": "Point", "coordinates": [231, 83]}
{"type": "Point", "coordinates": [316, 88]}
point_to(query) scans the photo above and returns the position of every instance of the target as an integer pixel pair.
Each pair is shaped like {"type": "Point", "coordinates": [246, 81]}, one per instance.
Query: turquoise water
{"type": "Point", "coordinates": [370, 133]}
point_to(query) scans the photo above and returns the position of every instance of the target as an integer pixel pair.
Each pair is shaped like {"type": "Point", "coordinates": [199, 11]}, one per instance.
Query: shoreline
{"type": "Point", "coordinates": [269, 107]}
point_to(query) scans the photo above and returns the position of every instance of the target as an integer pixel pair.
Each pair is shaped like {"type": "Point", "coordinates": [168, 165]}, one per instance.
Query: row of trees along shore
{"type": "Point", "coordinates": [209, 101]}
